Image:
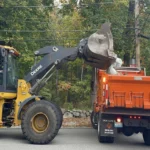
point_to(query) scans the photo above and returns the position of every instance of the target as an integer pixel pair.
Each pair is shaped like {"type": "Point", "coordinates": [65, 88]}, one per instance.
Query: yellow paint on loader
{"type": "Point", "coordinates": [22, 94]}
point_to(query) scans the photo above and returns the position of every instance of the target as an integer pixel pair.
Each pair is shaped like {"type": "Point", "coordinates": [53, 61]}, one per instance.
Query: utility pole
{"type": "Point", "coordinates": [137, 38]}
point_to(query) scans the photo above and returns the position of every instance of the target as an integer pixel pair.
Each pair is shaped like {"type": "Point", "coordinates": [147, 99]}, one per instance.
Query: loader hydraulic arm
{"type": "Point", "coordinates": [52, 57]}
{"type": "Point", "coordinates": [97, 51]}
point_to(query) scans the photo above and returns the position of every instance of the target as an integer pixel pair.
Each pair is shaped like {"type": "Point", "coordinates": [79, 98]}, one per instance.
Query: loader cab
{"type": "Point", "coordinates": [8, 69]}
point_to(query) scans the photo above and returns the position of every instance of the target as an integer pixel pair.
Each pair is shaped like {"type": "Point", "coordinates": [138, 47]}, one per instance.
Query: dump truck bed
{"type": "Point", "coordinates": [123, 91]}
{"type": "Point", "coordinates": [122, 104]}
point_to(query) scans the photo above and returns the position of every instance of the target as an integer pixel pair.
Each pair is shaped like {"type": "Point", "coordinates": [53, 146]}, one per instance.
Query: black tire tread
{"type": "Point", "coordinates": [28, 137]}
{"type": "Point", "coordinates": [105, 139]}
{"type": "Point", "coordinates": [95, 126]}
{"type": "Point", "coordinates": [146, 136]}
{"type": "Point", "coordinates": [59, 113]}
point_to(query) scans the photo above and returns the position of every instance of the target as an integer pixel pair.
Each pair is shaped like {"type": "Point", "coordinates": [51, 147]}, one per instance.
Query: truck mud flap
{"type": "Point", "coordinates": [107, 127]}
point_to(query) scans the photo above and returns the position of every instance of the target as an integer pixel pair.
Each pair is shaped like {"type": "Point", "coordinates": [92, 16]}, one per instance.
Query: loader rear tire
{"type": "Point", "coordinates": [146, 137]}
{"type": "Point", "coordinates": [40, 122]}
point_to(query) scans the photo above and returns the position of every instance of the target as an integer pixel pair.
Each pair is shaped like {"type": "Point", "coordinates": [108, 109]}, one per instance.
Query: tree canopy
{"type": "Point", "coordinates": [29, 25]}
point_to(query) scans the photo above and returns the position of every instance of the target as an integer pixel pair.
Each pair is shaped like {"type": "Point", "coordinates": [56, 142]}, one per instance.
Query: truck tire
{"type": "Point", "coordinates": [60, 114]}
{"type": "Point", "coordinates": [103, 139]}
{"type": "Point", "coordinates": [93, 120]}
{"type": "Point", "coordinates": [146, 136]}
{"type": "Point", "coordinates": [40, 122]}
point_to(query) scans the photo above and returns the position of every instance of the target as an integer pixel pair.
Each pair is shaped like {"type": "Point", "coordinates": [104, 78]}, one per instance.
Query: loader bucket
{"type": "Point", "coordinates": [98, 51]}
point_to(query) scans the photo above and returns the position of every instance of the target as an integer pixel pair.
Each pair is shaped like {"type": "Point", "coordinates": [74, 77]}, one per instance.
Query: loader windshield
{"type": "Point", "coordinates": [1, 68]}
{"type": "Point", "coordinates": [12, 72]}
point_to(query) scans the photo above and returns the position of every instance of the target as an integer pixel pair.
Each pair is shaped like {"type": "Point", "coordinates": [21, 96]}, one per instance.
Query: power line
{"type": "Point", "coordinates": [29, 40]}
{"type": "Point", "coordinates": [41, 31]}
{"type": "Point", "coordinates": [65, 4]}
{"type": "Point", "coordinates": [29, 6]}
{"type": "Point", "coordinates": [34, 20]}
{"type": "Point", "coordinates": [30, 31]}
{"type": "Point", "coordinates": [57, 40]}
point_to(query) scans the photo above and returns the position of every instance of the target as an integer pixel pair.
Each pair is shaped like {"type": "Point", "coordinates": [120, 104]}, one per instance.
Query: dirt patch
{"type": "Point", "coordinates": [76, 122]}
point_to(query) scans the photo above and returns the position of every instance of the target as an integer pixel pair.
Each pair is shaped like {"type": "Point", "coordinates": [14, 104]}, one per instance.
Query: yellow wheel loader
{"type": "Point", "coordinates": [20, 104]}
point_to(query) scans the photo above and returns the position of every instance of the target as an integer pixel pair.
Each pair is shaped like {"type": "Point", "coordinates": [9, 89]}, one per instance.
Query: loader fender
{"type": "Point", "coordinates": [26, 101]}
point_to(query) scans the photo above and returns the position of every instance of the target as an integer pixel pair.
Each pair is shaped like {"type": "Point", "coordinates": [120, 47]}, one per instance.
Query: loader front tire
{"type": "Point", "coordinates": [59, 113]}
{"type": "Point", "coordinates": [40, 122]}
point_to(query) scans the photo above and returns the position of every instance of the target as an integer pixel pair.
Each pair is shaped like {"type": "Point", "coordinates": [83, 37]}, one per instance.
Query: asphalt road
{"type": "Point", "coordinates": [70, 139]}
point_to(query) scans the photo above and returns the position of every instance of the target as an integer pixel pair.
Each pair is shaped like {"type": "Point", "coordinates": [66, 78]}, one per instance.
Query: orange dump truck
{"type": "Point", "coordinates": [121, 103]}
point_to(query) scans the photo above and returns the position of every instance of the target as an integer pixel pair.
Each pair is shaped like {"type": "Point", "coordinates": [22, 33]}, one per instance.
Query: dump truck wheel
{"type": "Point", "coordinates": [100, 138]}
{"type": "Point", "coordinates": [93, 118]}
{"type": "Point", "coordinates": [109, 139]}
{"type": "Point", "coordinates": [40, 122]}
{"type": "Point", "coordinates": [146, 137]}
{"type": "Point", "coordinates": [60, 114]}
{"type": "Point", "coordinates": [103, 139]}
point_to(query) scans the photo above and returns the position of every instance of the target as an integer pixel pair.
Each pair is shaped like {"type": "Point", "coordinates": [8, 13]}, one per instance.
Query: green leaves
{"type": "Point", "coordinates": [25, 25]}
{"type": "Point", "coordinates": [32, 24]}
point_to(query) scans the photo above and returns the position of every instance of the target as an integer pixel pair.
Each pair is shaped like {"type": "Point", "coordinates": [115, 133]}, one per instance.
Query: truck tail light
{"type": "Point", "coordinates": [119, 120]}
{"type": "Point", "coordinates": [105, 91]}
{"type": "Point", "coordinates": [104, 79]}
{"type": "Point", "coordinates": [135, 117]}
{"type": "Point", "coordinates": [106, 94]}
